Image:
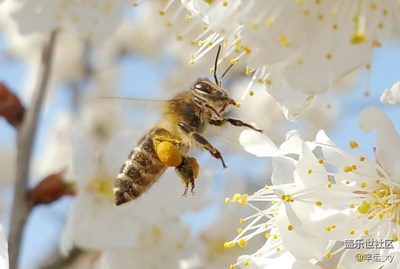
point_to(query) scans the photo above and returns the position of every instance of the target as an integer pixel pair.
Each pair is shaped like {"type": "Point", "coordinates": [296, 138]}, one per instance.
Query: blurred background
{"type": "Point", "coordinates": [79, 134]}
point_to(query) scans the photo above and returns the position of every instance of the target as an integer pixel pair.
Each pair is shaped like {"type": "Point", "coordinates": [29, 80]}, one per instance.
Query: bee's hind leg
{"type": "Point", "coordinates": [188, 171]}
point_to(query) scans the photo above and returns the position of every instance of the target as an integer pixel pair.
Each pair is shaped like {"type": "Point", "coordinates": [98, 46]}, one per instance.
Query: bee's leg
{"type": "Point", "coordinates": [186, 173]}
{"type": "Point", "coordinates": [234, 122]}
{"type": "Point", "coordinates": [202, 141]}
{"type": "Point", "coordinates": [201, 102]}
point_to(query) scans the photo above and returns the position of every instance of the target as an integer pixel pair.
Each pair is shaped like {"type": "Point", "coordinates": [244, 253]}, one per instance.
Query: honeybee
{"type": "Point", "coordinates": [185, 118]}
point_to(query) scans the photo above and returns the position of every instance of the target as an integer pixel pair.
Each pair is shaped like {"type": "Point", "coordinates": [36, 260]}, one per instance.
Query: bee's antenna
{"type": "Point", "coordinates": [226, 71]}
{"type": "Point", "coordinates": [215, 66]}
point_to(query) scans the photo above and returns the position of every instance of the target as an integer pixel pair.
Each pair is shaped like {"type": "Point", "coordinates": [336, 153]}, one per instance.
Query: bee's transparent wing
{"type": "Point", "coordinates": [226, 137]}
{"type": "Point", "coordinates": [129, 115]}
{"type": "Point", "coordinates": [120, 123]}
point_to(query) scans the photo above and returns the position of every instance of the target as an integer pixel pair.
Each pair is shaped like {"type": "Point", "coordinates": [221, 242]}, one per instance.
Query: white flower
{"type": "Point", "coordinates": [94, 221]}
{"type": "Point", "coordinates": [289, 42]}
{"type": "Point", "coordinates": [93, 20]}
{"type": "Point", "coordinates": [67, 62]}
{"type": "Point", "coordinates": [272, 255]}
{"type": "Point", "coordinates": [391, 95]}
{"type": "Point", "coordinates": [3, 249]}
{"type": "Point", "coordinates": [325, 195]}
{"type": "Point", "coordinates": [214, 235]}
{"type": "Point", "coordinates": [158, 245]}
{"type": "Point", "coordinates": [261, 108]}
{"type": "Point", "coordinates": [275, 216]}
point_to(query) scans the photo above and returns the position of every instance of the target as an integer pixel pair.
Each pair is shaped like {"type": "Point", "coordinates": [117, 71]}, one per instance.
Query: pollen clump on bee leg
{"type": "Point", "coordinates": [168, 154]}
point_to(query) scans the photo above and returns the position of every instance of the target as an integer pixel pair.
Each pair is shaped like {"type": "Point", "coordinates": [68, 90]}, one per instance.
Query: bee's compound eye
{"type": "Point", "coordinates": [203, 87]}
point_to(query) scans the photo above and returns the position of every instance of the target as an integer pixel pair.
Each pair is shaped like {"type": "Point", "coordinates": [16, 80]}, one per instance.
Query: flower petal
{"type": "Point", "coordinates": [391, 95]}
{"type": "Point", "coordinates": [293, 143]}
{"type": "Point", "coordinates": [387, 139]}
{"type": "Point", "coordinates": [304, 265]}
{"type": "Point", "coordinates": [283, 168]}
{"type": "Point", "coordinates": [323, 138]}
{"type": "Point", "coordinates": [293, 240]}
{"type": "Point", "coordinates": [309, 172]}
{"type": "Point", "coordinates": [257, 144]}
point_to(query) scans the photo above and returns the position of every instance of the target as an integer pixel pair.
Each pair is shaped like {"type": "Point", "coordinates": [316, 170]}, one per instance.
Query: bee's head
{"type": "Point", "coordinates": [211, 94]}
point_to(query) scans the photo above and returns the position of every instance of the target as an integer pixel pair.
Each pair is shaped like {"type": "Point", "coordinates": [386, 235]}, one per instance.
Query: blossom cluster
{"type": "Point", "coordinates": [296, 49]}
{"type": "Point", "coordinates": [323, 197]}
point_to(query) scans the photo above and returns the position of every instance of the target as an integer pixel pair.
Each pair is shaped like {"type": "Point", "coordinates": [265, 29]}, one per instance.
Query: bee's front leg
{"type": "Point", "coordinates": [233, 122]}
{"type": "Point", "coordinates": [202, 141]}
{"type": "Point", "coordinates": [188, 171]}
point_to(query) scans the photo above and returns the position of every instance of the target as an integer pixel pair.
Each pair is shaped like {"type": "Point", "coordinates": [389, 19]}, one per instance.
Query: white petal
{"type": "Point", "coordinates": [267, 257]}
{"type": "Point", "coordinates": [3, 250]}
{"type": "Point", "coordinates": [159, 246]}
{"type": "Point", "coordinates": [292, 101]}
{"type": "Point", "coordinates": [194, 7]}
{"type": "Point", "coordinates": [99, 224]}
{"type": "Point", "coordinates": [292, 144]}
{"type": "Point", "coordinates": [43, 16]}
{"type": "Point", "coordinates": [323, 138]}
{"type": "Point", "coordinates": [350, 256]}
{"type": "Point", "coordinates": [304, 265]}
{"type": "Point", "coordinates": [257, 144]}
{"type": "Point", "coordinates": [294, 240]}
{"type": "Point", "coordinates": [283, 168]}
{"type": "Point", "coordinates": [395, 262]}
{"type": "Point", "coordinates": [391, 95]}
{"type": "Point", "coordinates": [309, 172]}
{"type": "Point", "coordinates": [387, 139]}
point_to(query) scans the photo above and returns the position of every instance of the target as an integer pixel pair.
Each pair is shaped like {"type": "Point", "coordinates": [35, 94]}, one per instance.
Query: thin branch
{"type": "Point", "coordinates": [77, 258]}
{"type": "Point", "coordinates": [25, 139]}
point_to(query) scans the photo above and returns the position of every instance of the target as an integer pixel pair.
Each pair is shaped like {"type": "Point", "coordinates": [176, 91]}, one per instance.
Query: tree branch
{"type": "Point", "coordinates": [25, 139]}
{"type": "Point", "coordinates": [77, 258]}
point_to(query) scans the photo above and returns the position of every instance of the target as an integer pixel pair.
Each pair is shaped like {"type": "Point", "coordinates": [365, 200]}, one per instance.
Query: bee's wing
{"type": "Point", "coordinates": [226, 137]}
{"type": "Point", "coordinates": [130, 115]}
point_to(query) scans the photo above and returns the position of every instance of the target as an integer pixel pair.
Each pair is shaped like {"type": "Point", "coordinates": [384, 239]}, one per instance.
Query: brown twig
{"type": "Point", "coordinates": [77, 258]}
{"type": "Point", "coordinates": [25, 138]}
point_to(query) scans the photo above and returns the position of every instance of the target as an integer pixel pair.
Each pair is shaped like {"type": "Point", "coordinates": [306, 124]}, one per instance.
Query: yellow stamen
{"type": "Point", "coordinates": [242, 242]}
{"type": "Point", "coordinates": [364, 207]}
{"type": "Point", "coordinates": [353, 144]}
{"type": "Point", "coordinates": [229, 244]}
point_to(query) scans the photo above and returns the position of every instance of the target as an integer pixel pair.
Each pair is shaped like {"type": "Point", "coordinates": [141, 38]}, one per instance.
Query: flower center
{"type": "Point", "coordinates": [101, 186]}
{"type": "Point", "coordinates": [383, 202]}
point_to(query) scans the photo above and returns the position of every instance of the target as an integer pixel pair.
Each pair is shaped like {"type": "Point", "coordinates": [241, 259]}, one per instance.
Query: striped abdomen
{"type": "Point", "coordinates": [142, 169]}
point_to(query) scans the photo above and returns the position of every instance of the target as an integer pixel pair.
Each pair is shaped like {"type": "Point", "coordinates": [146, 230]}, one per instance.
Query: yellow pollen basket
{"type": "Point", "coordinates": [168, 154]}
